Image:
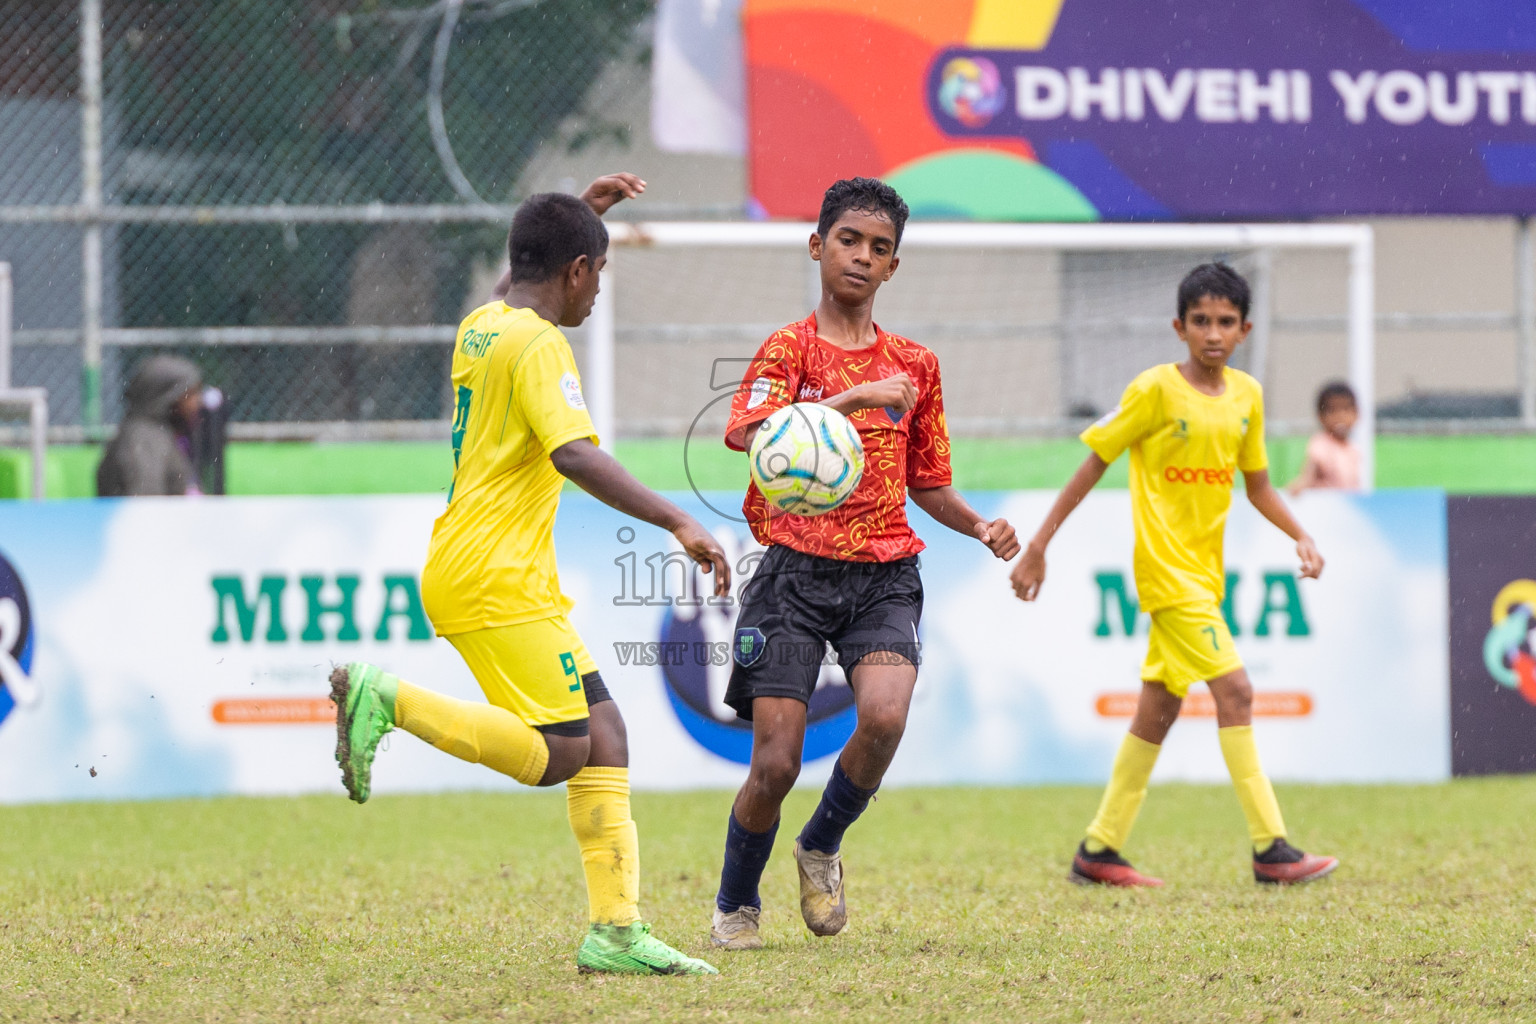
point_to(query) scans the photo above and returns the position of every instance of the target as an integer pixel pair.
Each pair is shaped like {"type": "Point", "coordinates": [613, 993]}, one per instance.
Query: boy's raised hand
{"type": "Point", "coordinates": [611, 189]}
{"type": "Point", "coordinates": [1029, 574]}
{"type": "Point", "coordinates": [999, 537]}
{"type": "Point", "coordinates": [1311, 558]}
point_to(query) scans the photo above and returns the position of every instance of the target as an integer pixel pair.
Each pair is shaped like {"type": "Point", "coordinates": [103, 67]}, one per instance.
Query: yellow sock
{"type": "Point", "coordinates": [1253, 789]}
{"type": "Point", "coordinates": [475, 732]}
{"type": "Point", "coordinates": [1123, 796]}
{"type": "Point", "coordinates": [597, 800]}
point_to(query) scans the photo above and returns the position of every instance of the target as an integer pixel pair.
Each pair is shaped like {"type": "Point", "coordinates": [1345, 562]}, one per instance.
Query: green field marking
{"type": "Point", "coordinates": [1461, 465]}
{"type": "Point", "coordinates": [470, 907]}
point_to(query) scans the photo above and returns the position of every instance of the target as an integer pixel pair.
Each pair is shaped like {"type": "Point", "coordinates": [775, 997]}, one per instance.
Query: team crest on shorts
{"type": "Point", "coordinates": [750, 645]}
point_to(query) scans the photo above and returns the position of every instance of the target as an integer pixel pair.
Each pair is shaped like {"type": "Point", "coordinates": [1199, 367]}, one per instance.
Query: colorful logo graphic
{"type": "Point", "coordinates": [1507, 650]}
{"type": "Point", "coordinates": [1331, 107]}
{"type": "Point", "coordinates": [810, 65]}
{"type": "Point", "coordinates": [17, 640]}
{"type": "Point", "coordinates": [970, 90]}
{"type": "Point", "coordinates": [700, 643]}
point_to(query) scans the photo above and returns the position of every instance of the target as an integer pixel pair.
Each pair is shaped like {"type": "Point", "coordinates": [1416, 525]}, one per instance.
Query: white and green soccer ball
{"type": "Point", "coordinates": [806, 459]}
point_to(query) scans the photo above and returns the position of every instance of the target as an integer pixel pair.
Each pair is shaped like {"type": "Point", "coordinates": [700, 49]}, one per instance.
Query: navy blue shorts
{"type": "Point", "coordinates": [796, 604]}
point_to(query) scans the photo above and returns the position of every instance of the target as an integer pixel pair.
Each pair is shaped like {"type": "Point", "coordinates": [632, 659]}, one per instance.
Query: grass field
{"type": "Point", "coordinates": [468, 907]}
{"type": "Point", "coordinates": [1504, 464]}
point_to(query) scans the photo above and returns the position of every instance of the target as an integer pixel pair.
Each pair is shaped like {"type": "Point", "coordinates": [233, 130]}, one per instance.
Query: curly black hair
{"type": "Point", "coordinates": [1217, 280]}
{"type": "Point", "coordinates": [867, 195]}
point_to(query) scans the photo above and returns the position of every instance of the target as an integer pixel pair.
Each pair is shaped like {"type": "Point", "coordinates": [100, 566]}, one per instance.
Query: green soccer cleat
{"type": "Point", "coordinates": [632, 949]}
{"type": "Point", "coordinates": [362, 720]}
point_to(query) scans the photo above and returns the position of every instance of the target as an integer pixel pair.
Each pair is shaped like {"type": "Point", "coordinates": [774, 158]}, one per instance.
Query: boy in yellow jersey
{"type": "Point", "coordinates": [1190, 427]}
{"type": "Point", "coordinates": [520, 429]}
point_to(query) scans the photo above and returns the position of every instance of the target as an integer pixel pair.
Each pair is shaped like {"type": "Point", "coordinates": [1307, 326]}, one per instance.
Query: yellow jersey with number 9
{"type": "Point", "coordinates": [517, 397]}
{"type": "Point", "coordinates": [1186, 448]}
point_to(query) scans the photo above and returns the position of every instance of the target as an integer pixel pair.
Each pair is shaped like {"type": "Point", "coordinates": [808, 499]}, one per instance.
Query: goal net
{"type": "Point", "coordinates": [1038, 327]}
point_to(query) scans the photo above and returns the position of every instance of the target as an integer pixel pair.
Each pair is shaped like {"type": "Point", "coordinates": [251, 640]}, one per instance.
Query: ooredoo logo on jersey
{"type": "Point", "coordinates": [1199, 475]}
{"type": "Point", "coordinates": [17, 641]}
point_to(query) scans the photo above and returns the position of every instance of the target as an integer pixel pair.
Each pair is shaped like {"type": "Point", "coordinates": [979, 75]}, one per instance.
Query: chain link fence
{"type": "Point", "coordinates": [215, 117]}
{"type": "Point", "coordinates": [298, 195]}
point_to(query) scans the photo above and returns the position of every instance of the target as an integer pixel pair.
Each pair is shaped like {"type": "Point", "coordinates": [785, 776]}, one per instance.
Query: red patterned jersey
{"type": "Point", "coordinates": [899, 452]}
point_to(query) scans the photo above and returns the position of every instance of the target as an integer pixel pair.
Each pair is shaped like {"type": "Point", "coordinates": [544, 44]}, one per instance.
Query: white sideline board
{"type": "Point", "coordinates": [129, 672]}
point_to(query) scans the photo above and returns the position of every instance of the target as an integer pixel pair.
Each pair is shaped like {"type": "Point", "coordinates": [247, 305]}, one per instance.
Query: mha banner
{"type": "Point", "coordinates": [173, 647]}
{"type": "Point", "coordinates": [1164, 110]}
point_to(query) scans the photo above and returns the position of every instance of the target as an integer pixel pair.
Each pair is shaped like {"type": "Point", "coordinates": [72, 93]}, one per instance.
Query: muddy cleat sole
{"type": "Point", "coordinates": [1107, 868]}
{"type": "Point", "coordinates": [736, 930]}
{"type": "Point", "coordinates": [361, 722]}
{"type": "Point", "coordinates": [1283, 864]}
{"type": "Point", "coordinates": [632, 949]}
{"type": "Point", "coordinates": [822, 901]}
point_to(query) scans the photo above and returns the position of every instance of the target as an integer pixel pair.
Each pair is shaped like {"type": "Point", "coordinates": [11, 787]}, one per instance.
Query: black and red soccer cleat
{"type": "Point", "coordinates": [1283, 864]}
{"type": "Point", "coordinates": [1107, 868]}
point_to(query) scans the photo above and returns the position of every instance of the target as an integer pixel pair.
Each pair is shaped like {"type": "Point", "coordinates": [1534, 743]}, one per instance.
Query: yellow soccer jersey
{"type": "Point", "coordinates": [517, 397]}
{"type": "Point", "coordinates": [1186, 448]}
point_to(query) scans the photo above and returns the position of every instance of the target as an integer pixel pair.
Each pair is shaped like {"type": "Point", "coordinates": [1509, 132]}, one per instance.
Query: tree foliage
{"type": "Point", "coordinates": [326, 101]}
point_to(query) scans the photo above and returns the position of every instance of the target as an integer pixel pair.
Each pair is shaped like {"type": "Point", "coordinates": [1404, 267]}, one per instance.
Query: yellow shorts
{"type": "Point", "coordinates": [532, 669]}
{"type": "Point", "coordinates": [1190, 643]}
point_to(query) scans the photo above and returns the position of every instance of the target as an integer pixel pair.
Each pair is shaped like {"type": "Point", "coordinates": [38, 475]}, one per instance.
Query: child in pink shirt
{"type": "Point", "coordinates": [1331, 460]}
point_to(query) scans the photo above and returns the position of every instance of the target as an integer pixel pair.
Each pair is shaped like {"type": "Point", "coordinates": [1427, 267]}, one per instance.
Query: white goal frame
{"type": "Point", "coordinates": [1356, 239]}
{"type": "Point", "coordinates": [34, 400]}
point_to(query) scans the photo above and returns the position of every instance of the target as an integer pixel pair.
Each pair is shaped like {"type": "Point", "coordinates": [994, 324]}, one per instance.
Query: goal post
{"type": "Point", "coordinates": [606, 330]}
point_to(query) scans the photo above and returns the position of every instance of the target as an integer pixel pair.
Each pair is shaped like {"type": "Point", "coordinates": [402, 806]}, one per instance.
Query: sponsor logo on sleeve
{"type": "Point", "coordinates": [571, 388]}
{"type": "Point", "coordinates": [759, 393]}
{"type": "Point", "coordinates": [1107, 418]}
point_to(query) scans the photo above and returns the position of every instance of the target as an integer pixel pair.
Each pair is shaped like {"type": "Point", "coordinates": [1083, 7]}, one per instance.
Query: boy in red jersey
{"type": "Point", "coordinates": [848, 577]}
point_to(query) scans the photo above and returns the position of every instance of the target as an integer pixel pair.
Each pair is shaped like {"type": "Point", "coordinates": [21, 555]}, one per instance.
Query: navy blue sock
{"type": "Point", "coordinates": [841, 804]}
{"type": "Point", "coordinates": [746, 854]}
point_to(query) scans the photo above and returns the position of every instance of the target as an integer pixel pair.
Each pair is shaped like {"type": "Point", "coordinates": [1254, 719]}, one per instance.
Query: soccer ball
{"type": "Point", "coordinates": [806, 459]}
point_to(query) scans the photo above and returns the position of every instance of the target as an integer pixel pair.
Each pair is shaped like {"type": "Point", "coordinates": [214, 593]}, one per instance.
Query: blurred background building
{"type": "Point", "coordinates": [304, 196]}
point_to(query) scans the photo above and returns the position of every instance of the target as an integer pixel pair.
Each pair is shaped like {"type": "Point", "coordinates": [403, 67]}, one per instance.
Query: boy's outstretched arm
{"type": "Point", "coordinates": [600, 475]}
{"type": "Point", "coordinates": [1264, 497]}
{"type": "Point", "coordinates": [1029, 574]}
{"type": "Point", "coordinates": [947, 506]}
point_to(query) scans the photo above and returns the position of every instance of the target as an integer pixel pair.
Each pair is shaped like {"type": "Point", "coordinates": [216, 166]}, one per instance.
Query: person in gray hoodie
{"type": "Point", "coordinates": [152, 452]}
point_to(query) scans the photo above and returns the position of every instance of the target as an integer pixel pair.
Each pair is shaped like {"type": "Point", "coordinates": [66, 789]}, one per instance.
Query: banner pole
{"type": "Point", "coordinates": [1263, 313]}
{"type": "Point", "coordinates": [5, 326]}
{"type": "Point", "coordinates": [1525, 320]}
{"type": "Point", "coordinates": [91, 201]}
{"type": "Point", "coordinates": [1362, 349]}
{"type": "Point", "coordinates": [601, 356]}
